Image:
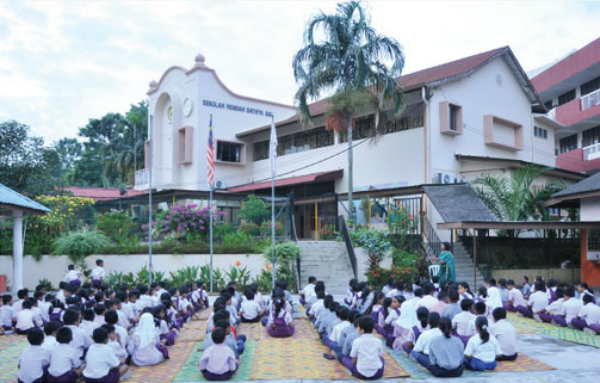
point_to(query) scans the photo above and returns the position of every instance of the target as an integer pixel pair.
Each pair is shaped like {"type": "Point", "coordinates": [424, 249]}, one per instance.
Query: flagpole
{"type": "Point", "coordinates": [273, 216]}
{"type": "Point", "coordinates": [210, 213]}
{"type": "Point", "coordinates": [151, 170]}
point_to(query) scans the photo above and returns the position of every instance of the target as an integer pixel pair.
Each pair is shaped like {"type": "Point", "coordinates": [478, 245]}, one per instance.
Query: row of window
{"type": "Point", "coordinates": [587, 88]}
{"type": "Point", "coordinates": [589, 137]}
{"type": "Point", "coordinates": [540, 132]}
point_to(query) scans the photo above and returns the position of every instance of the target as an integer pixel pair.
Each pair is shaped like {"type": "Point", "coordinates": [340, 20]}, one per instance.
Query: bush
{"type": "Point", "coordinates": [254, 210]}
{"type": "Point", "coordinates": [221, 229]}
{"type": "Point", "coordinates": [264, 280]}
{"type": "Point", "coordinates": [249, 228]}
{"type": "Point", "coordinates": [265, 228]}
{"type": "Point", "coordinates": [117, 226]}
{"type": "Point", "coordinates": [374, 242]}
{"type": "Point", "coordinates": [285, 254]}
{"type": "Point", "coordinates": [239, 275]}
{"type": "Point", "coordinates": [79, 244]}
{"type": "Point", "coordinates": [185, 220]}
{"type": "Point", "coordinates": [377, 278]}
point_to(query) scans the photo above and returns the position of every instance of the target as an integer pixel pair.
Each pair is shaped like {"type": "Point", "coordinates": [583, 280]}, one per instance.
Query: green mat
{"type": "Point", "coordinates": [529, 326]}
{"type": "Point", "coordinates": [191, 373]}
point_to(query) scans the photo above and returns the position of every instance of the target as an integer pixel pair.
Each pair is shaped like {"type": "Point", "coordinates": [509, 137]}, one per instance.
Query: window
{"type": "Point", "coordinates": [590, 86]}
{"type": "Point", "coordinates": [454, 117]}
{"type": "Point", "coordinates": [566, 97]}
{"type": "Point", "coordinates": [548, 104]}
{"type": "Point", "coordinates": [295, 143]}
{"type": "Point", "coordinates": [502, 133]}
{"type": "Point", "coordinates": [540, 132]}
{"type": "Point", "coordinates": [591, 136]}
{"type": "Point", "coordinates": [411, 117]}
{"type": "Point", "coordinates": [229, 151]}
{"type": "Point", "coordinates": [364, 127]}
{"type": "Point", "coordinates": [185, 143]}
{"type": "Point", "coordinates": [568, 143]}
{"type": "Point", "coordinates": [451, 118]}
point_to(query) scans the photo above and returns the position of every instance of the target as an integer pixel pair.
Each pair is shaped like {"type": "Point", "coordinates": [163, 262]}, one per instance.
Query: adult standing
{"type": "Point", "coordinates": [447, 272]}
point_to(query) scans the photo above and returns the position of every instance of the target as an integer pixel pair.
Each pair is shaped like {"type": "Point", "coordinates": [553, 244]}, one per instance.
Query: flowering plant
{"type": "Point", "coordinates": [184, 221]}
{"type": "Point", "coordinates": [64, 210]}
{"type": "Point", "coordinates": [401, 222]}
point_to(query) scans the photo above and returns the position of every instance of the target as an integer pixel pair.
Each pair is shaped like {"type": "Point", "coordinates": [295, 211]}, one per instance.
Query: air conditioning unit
{"type": "Point", "coordinates": [593, 256]}
{"type": "Point", "coordinates": [448, 178]}
{"type": "Point", "coordinates": [220, 185]}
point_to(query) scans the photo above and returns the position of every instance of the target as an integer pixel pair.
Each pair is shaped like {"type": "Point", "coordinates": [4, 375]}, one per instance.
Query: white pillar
{"type": "Point", "coordinates": [17, 282]}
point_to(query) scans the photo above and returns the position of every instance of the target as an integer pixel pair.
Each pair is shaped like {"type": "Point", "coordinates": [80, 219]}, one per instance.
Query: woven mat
{"type": "Point", "coordinates": [303, 358]}
{"type": "Point", "coordinates": [194, 331]}
{"type": "Point", "coordinates": [525, 325]}
{"type": "Point", "coordinates": [303, 330]}
{"type": "Point", "coordinates": [165, 371]}
{"type": "Point", "coordinates": [251, 330]}
{"type": "Point", "coordinates": [205, 313]}
{"type": "Point", "coordinates": [9, 359]}
{"type": "Point", "coordinates": [524, 363]}
{"type": "Point", "coordinates": [191, 373]}
{"type": "Point", "coordinates": [11, 339]}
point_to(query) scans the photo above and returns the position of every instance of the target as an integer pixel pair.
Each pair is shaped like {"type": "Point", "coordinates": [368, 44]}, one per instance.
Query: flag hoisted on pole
{"type": "Point", "coordinates": [210, 179]}
{"type": "Point", "coordinates": [273, 158]}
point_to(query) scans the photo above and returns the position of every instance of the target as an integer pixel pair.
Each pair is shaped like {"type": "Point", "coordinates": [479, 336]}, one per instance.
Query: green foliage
{"type": "Point", "coordinates": [220, 229]}
{"type": "Point", "coordinates": [218, 278]}
{"type": "Point", "coordinates": [265, 228]}
{"type": "Point", "coordinates": [285, 254]}
{"type": "Point", "coordinates": [254, 210]}
{"type": "Point", "coordinates": [264, 281]}
{"type": "Point", "coordinates": [377, 277]}
{"type": "Point", "coordinates": [328, 232]}
{"type": "Point", "coordinates": [78, 245]}
{"type": "Point", "coordinates": [46, 283]}
{"type": "Point", "coordinates": [239, 275]}
{"type": "Point", "coordinates": [249, 228]}
{"type": "Point", "coordinates": [38, 242]}
{"type": "Point", "coordinates": [186, 275]}
{"type": "Point", "coordinates": [118, 226]}
{"type": "Point", "coordinates": [374, 242]}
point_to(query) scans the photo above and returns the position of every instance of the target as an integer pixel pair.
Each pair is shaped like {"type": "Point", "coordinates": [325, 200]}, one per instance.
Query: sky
{"type": "Point", "coordinates": [64, 62]}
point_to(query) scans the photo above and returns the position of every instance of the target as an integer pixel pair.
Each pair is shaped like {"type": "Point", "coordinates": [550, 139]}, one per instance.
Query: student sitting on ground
{"type": "Point", "coordinates": [378, 298]}
{"type": "Point", "coordinates": [145, 346]}
{"type": "Point", "coordinates": [505, 334]}
{"type": "Point", "coordinates": [464, 291]}
{"type": "Point", "coordinates": [87, 324]}
{"type": "Point", "coordinates": [420, 352]}
{"type": "Point", "coordinates": [538, 301]}
{"type": "Point", "coordinates": [308, 291]}
{"type": "Point", "coordinates": [446, 353]}
{"type": "Point", "coordinates": [34, 359]}
{"type": "Point", "coordinates": [588, 317]}
{"type": "Point", "coordinates": [81, 341]}
{"type": "Point", "coordinates": [389, 286]}
{"type": "Point", "coordinates": [366, 353]}
{"type": "Point", "coordinates": [113, 341]}
{"type": "Point", "coordinates": [351, 292]}
{"type": "Point", "coordinates": [250, 311]}
{"type": "Point", "coordinates": [388, 316]}
{"type": "Point", "coordinates": [570, 309]}
{"type": "Point", "coordinates": [50, 330]}
{"type": "Point", "coordinates": [406, 327]}
{"type": "Point", "coordinates": [515, 297]}
{"type": "Point", "coordinates": [462, 322]}
{"type": "Point", "coordinates": [218, 362]}
{"type": "Point", "coordinates": [585, 290]}
{"type": "Point", "coordinates": [453, 308]}
{"type": "Point", "coordinates": [347, 336]}
{"type": "Point", "coordinates": [65, 365]}
{"type": "Point", "coordinates": [7, 313]}
{"type": "Point", "coordinates": [480, 311]}
{"type": "Point", "coordinates": [101, 363]}
{"type": "Point", "coordinates": [280, 324]}
{"type": "Point", "coordinates": [27, 319]}
{"type": "Point", "coordinates": [553, 308]}
{"type": "Point", "coordinates": [482, 349]}
{"type": "Point", "coordinates": [230, 341]}
{"type": "Point", "coordinates": [332, 341]}
{"type": "Point", "coordinates": [364, 300]}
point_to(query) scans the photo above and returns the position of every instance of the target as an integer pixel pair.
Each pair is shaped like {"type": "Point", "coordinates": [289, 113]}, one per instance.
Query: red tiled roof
{"type": "Point", "coordinates": [412, 81]}
{"type": "Point", "coordinates": [102, 194]}
{"type": "Point", "coordinates": [324, 176]}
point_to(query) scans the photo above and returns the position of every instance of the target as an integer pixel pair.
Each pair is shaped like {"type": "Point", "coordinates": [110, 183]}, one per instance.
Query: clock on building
{"type": "Point", "coordinates": [170, 114]}
{"type": "Point", "coordinates": [187, 107]}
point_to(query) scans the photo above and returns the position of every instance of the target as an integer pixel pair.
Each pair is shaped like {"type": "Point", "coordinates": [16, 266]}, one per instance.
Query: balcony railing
{"type": "Point", "coordinates": [161, 177]}
{"type": "Point", "coordinates": [142, 177]}
{"type": "Point", "coordinates": [591, 152]}
{"type": "Point", "coordinates": [590, 99]}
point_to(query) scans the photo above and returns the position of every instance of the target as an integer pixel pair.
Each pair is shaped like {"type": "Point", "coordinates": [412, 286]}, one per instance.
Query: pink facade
{"type": "Point", "coordinates": [571, 113]}
{"type": "Point", "coordinates": [574, 162]}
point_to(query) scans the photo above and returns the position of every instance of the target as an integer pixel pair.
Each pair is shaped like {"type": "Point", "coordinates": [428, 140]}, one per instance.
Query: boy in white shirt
{"type": "Point", "coordinates": [515, 297]}
{"type": "Point", "coordinates": [570, 309]}
{"type": "Point", "coordinates": [34, 359]}
{"type": "Point", "coordinates": [65, 364]}
{"type": "Point", "coordinates": [250, 311]}
{"type": "Point", "coordinates": [553, 308]}
{"type": "Point", "coordinates": [81, 340]}
{"type": "Point", "coordinates": [98, 274]}
{"type": "Point", "coordinates": [588, 317]}
{"type": "Point", "coordinates": [538, 301]}
{"type": "Point", "coordinates": [27, 319]}
{"type": "Point", "coordinates": [505, 334]}
{"type": "Point", "coordinates": [366, 352]}
{"type": "Point", "coordinates": [22, 295]}
{"type": "Point", "coordinates": [420, 352]}
{"type": "Point", "coordinates": [316, 307]}
{"type": "Point", "coordinates": [308, 291]}
{"type": "Point", "coordinates": [102, 365]}
{"type": "Point", "coordinates": [50, 330]}
{"type": "Point", "coordinates": [334, 338]}
{"type": "Point", "coordinates": [427, 300]}
{"type": "Point", "coordinates": [87, 324]}
{"type": "Point", "coordinates": [72, 276]}
{"type": "Point", "coordinates": [7, 314]}
{"type": "Point", "coordinates": [461, 322]}
{"type": "Point", "coordinates": [482, 349]}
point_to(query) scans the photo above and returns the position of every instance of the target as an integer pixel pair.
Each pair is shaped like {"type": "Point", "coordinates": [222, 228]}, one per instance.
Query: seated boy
{"type": "Point", "coordinates": [461, 323]}
{"type": "Point", "coordinates": [308, 291]}
{"type": "Point", "coordinates": [34, 359]}
{"type": "Point", "coordinates": [27, 319]}
{"type": "Point", "coordinates": [81, 341]}
{"type": "Point", "coordinates": [65, 365]}
{"type": "Point", "coordinates": [505, 334]}
{"type": "Point", "coordinates": [538, 301]}
{"type": "Point", "coordinates": [101, 363]}
{"type": "Point", "coordinates": [366, 353]}
{"type": "Point", "coordinates": [553, 308]}
{"type": "Point", "coordinates": [236, 346]}
{"type": "Point", "coordinates": [515, 297]}
{"type": "Point", "coordinates": [218, 361]}
{"type": "Point", "coordinates": [50, 329]}
{"type": "Point", "coordinates": [7, 314]}
{"type": "Point", "coordinates": [250, 311]}
{"type": "Point", "coordinates": [569, 311]}
{"type": "Point", "coordinates": [588, 318]}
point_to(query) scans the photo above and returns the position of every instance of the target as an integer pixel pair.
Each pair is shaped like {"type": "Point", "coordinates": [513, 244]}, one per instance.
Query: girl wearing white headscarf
{"type": "Point", "coordinates": [145, 346]}
{"type": "Point", "coordinates": [493, 301]}
{"type": "Point", "coordinates": [404, 326]}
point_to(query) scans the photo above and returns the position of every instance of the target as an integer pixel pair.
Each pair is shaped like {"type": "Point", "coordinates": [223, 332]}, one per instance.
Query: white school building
{"type": "Point", "coordinates": [475, 115]}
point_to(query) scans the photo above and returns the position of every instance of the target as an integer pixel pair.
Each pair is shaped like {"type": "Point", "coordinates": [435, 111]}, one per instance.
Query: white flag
{"type": "Point", "coordinates": [273, 149]}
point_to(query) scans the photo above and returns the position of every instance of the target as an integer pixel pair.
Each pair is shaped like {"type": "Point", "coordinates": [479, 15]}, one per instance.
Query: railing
{"type": "Point", "coordinates": [349, 246]}
{"type": "Point", "coordinates": [142, 177]}
{"type": "Point", "coordinates": [591, 152]}
{"type": "Point", "coordinates": [432, 241]}
{"type": "Point", "coordinates": [294, 237]}
{"type": "Point", "coordinates": [590, 99]}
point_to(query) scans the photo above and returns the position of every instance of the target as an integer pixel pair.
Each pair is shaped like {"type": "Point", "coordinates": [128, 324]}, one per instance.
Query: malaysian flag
{"type": "Point", "coordinates": [210, 156]}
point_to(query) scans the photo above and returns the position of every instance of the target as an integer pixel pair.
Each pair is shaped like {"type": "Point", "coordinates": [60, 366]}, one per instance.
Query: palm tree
{"type": "Point", "coordinates": [354, 62]}
{"type": "Point", "coordinates": [514, 198]}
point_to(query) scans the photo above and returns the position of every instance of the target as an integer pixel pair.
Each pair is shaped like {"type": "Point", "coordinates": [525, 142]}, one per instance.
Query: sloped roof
{"type": "Point", "coordinates": [459, 202]}
{"type": "Point", "coordinates": [12, 199]}
{"type": "Point", "coordinates": [587, 185]}
{"type": "Point", "coordinates": [102, 194]}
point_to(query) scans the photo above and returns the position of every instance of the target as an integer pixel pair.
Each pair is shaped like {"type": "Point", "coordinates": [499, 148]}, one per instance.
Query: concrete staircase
{"type": "Point", "coordinates": [464, 266]}
{"type": "Point", "coordinates": [329, 262]}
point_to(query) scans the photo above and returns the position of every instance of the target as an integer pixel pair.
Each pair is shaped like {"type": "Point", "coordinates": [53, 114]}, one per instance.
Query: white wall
{"type": "Point", "coordinates": [54, 268]}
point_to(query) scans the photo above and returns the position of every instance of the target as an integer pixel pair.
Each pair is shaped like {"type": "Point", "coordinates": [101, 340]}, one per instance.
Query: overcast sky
{"type": "Point", "coordinates": [64, 62]}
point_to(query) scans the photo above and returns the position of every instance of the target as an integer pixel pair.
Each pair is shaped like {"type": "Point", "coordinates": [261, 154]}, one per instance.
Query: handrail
{"type": "Point", "coordinates": [433, 241]}
{"type": "Point", "coordinates": [294, 236]}
{"type": "Point", "coordinates": [349, 246]}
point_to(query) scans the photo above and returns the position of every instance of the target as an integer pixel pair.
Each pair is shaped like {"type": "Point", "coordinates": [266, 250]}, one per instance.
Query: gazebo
{"type": "Point", "coordinates": [17, 205]}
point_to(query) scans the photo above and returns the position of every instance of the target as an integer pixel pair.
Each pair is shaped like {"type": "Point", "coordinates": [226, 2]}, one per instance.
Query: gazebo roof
{"type": "Point", "coordinates": [10, 199]}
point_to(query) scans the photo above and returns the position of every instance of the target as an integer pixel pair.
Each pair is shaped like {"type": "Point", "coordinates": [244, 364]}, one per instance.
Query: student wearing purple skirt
{"type": "Point", "coordinates": [280, 323]}
{"type": "Point", "coordinates": [378, 298]}
{"type": "Point", "coordinates": [145, 346]}
{"type": "Point", "coordinates": [65, 364]}
{"type": "Point", "coordinates": [218, 361]}
{"type": "Point", "coordinates": [366, 356]}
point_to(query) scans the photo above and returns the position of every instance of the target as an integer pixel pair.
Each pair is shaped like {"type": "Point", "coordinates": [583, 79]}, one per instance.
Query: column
{"type": "Point", "coordinates": [17, 282]}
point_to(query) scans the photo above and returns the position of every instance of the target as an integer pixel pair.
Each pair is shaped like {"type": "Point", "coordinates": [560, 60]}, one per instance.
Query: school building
{"type": "Point", "coordinates": [479, 114]}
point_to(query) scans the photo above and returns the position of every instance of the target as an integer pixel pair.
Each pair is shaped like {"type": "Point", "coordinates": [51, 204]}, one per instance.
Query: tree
{"type": "Point", "coordinates": [254, 210]}
{"type": "Point", "coordinates": [26, 164]}
{"type": "Point", "coordinates": [359, 65]}
{"type": "Point", "coordinates": [69, 152]}
{"type": "Point", "coordinates": [514, 198]}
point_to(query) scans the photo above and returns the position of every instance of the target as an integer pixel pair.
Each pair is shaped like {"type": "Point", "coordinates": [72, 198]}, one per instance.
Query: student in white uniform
{"type": "Point", "coordinates": [50, 329]}
{"type": "Point", "coordinates": [98, 274]}
{"type": "Point", "coordinates": [101, 363]}
{"type": "Point", "coordinates": [65, 364]}
{"type": "Point", "coordinates": [570, 309]}
{"type": "Point", "coordinates": [250, 311]}
{"type": "Point", "coordinates": [366, 353]}
{"type": "Point", "coordinates": [482, 349]}
{"type": "Point", "coordinates": [34, 359]}
{"type": "Point", "coordinates": [505, 334]}
{"type": "Point", "coordinates": [420, 352]}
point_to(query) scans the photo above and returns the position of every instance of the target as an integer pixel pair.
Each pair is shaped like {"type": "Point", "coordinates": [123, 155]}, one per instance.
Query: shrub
{"type": "Point", "coordinates": [65, 211]}
{"type": "Point", "coordinates": [184, 220]}
{"type": "Point", "coordinates": [254, 210]}
{"type": "Point", "coordinates": [117, 225]}
{"type": "Point", "coordinates": [239, 275]}
{"type": "Point", "coordinates": [374, 242]}
{"type": "Point", "coordinates": [79, 244]}
{"type": "Point", "coordinates": [265, 228]}
{"type": "Point", "coordinates": [46, 283]}
{"type": "Point", "coordinates": [220, 229]}
{"type": "Point", "coordinates": [377, 277]}
{"type": "Point", "coordinates": [218, 278]}
{"type": "Point", "coordinates": [264, 280]}
{"type": "Point", "coordinates": [249, 228]}
{"type": "Point", "coordinates": [285, 254]}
